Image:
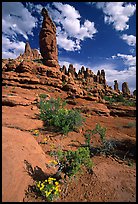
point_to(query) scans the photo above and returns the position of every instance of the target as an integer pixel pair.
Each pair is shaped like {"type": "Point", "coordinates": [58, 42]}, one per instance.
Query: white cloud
{"type": "Point", "coordinates": [128, 59]}
{"type": "Point", "coordinates": [70, 31]}
{"type": "Point", "coordinates": [11, 49]}
{"type": "Point", "coordinates": [67, 44]}
{"type": "Point", "coordinates": [130, 39]}
{"type": "Point", "coordinates": [16, 19]}
{"type": "Point", "coordinates": [128, 74]}
{"type": "Point", "coordinates": [117, 13]}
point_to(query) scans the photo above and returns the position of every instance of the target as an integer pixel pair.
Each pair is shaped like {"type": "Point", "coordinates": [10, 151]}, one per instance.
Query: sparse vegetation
{"type": "Point", "coordinates": [119, 98]}
{"type": "Point", "coordinates": [130, 125]}
{"type": "Point", "coordinates": [97, 130]}
{"type": "Point", "coordinates": [53, 113]}
{"type": "Point", "coordinates": [71, 162]}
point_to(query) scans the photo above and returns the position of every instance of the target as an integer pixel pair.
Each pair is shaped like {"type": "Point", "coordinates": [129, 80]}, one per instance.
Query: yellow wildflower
{"type": "Point", "coordinates": [47, 193]}
{"type": "Point", "coordinates": [56, 183]}
{"type": "Point", "coordinates": [42, 187]}
{"type": "Point", "coordinates": [53, 162]}
{"type": "Point", "coordinates": [52, 146]}
{"type": "Point", "coordinates": [51, 179]}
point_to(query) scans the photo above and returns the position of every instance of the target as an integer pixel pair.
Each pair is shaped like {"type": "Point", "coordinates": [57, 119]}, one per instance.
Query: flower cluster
{"type": "Point", "coordinates": [49, 188]}
{"type": "Point", "coordinates": [36, 132]}
{"type": "Point", "coordinates": [53, 162]}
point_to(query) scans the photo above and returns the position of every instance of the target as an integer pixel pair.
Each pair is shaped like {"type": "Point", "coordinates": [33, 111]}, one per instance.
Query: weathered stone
{"type": "Point", "coordinates": [116, 85]}
{"type": "Point", "coordinates": [28, 50]}
{"type": "Point", "coordinates": [29, 54]}
{"type": "Point", "coordinates": [82, 69]}
{"type": "Point", "coordinates": [64, 69]}
{"type": "Point", "coordinates": [26, 66]}
{"type": "Point", "coordinates": [125, 88]}
{"type": "Point", "coordinates": [98, 73]}
{"type": "Point", "coordinates": [134, 92]}
{"type": "Point", "coordinates": [47, 41]}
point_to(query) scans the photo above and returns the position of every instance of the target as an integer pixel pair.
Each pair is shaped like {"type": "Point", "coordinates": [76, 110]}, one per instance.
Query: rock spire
{"type": "Point", "coordinates": [47, 41]}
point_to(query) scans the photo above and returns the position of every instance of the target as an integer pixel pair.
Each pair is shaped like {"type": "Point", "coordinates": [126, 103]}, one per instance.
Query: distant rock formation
{"type": "Point", "coordinates": [125, 89]}
{"type": "Point", "coordinates": [85, 75]}
{"type": "Point", "coordinates": [31, 54]}
{"type": "Point", "coordinates": [134, 92]}
{"type": "Point", "coordinates": [116, 86]}
{"type": "Point", "coordinates": [47, 41]}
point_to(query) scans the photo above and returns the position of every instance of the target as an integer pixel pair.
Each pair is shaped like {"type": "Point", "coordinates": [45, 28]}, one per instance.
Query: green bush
{"type": "Point", "coordinates": [71, 162]}
{"type": "Point", "coordinates": [119, 98]}
{"type": "Point", "coordinates": [97, 130]}
{"type": "Point", "coordinates": [53, 113]}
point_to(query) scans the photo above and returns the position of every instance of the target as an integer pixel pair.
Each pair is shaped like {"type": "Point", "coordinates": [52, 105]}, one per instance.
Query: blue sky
{"type": "Point", "coordinates": [97, 35]}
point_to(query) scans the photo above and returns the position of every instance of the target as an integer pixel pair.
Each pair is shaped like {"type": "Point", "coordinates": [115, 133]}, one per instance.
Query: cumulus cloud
{"type": "Point", "coordinates": [128, 59]}
{"type": "Point", "coordinates": [11, 49]}
{"type": "Point", "coordinates": [128, 74]}
{"type": "Point", "coordinates": [15, 18]}
{"type": "Point", "coordinates": [117, 13]}
{"type": "Point", "coordinates": [70, 30]}
{"type": "Point", "coordinates": [130, 39]}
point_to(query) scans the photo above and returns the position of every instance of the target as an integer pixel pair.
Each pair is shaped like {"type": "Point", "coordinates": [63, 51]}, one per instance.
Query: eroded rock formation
{"type": "Point", "coordinates": [125, 88]}
{"type": "Point", "coordinates": [47, 41]}
{"type": "Point", "coordinates": [116, 85]}
{"type": "Point", "coordinates": [29, 54]}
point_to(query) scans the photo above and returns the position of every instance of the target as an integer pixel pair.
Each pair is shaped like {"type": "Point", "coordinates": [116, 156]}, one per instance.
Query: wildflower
{"type": "Point", "coordinates": [47, 193]}
{"type": "Point", "coordinates": [51, 179]}
{"type": "Point", "coordinates": [52, 146]}
{"type": "Point", "coordinates": [36, 132]}
{"type": "Point", "coordinates": [38, 184]}
{"type": "Point", "coordinates": [56, 183]}
{"type": "Point", "coordinates": [54, 162]}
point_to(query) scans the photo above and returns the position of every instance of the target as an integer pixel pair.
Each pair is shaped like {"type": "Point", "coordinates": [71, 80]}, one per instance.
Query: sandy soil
{"type": "Point", "coordinates": [113, 180]}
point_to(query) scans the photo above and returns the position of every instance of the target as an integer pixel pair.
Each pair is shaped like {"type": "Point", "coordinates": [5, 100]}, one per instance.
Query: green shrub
{"type": "Point", "coordinates": [71, 162]}
{"type": "Point", "coordinates": [98, 129]}
{"type": "Point", "coordinates": [53, 113]}
{"type": "Point", "coordinates": [43, 96]}
{"type": "Point", "coordinates": [119, 98]}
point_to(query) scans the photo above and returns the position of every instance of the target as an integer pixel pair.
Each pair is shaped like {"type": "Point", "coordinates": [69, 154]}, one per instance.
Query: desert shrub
{"type": "Point", "coordinates": [129, 103]}
{"type": "Point", "coordinates": [53, 113]}
{"type": "Point", "coordinates": [109, 99]}
{"type": "Point", "coordinates": [119, 98]}
{"type": "Point", "coordinates": [130, 125]}
{"type": "Point", "coordinates": [49, 188]}
{"type": "Point", "coordinates": [97, 130]}
{"type": "Point", "coordinates": [43, 96]}
{"type": "Point", "coordinates": [71, 162]}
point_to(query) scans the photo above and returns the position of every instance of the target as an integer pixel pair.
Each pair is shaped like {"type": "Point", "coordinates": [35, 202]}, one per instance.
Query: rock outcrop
{"type": "Point", "coordinates": [125, 89]}
{"type": "Point", "coordinates": [47, 41]}
{"type": "Point", "coordinates": [29, 53]}
{"type": "Point", "coordinates": [116, 86]}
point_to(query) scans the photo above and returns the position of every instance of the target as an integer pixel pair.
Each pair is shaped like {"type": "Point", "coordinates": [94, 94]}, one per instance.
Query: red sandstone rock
{"type": "Point", "coordinates": [125, 88]}
{"type": "Point", "coordinates": [47, 41]}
